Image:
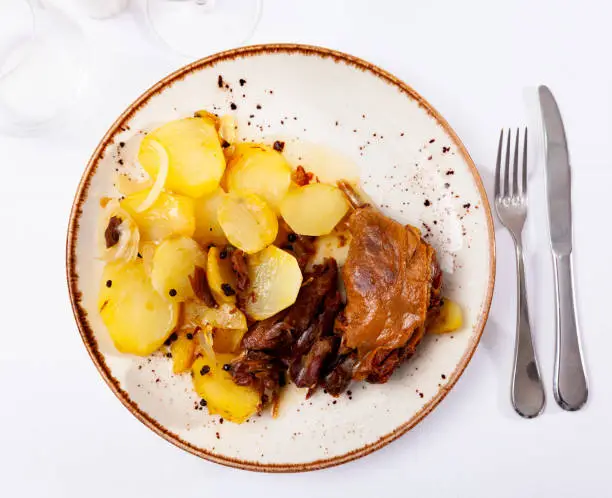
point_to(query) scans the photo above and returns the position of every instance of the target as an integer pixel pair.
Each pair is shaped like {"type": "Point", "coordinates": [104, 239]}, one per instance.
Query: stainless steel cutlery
{"type": "Point", "coordinates": [569, 382]}
{"type": "Point", "coordinates": [511, 206]}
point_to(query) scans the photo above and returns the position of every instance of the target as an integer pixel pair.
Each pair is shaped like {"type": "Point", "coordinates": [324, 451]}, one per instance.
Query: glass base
{"type": "Point", "coordinates": [198, 28]}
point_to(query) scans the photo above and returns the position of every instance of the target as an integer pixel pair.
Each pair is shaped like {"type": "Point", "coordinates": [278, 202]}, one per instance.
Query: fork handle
{"type": "Point", "coordinates": [527, 388]}
{"type": "Point", "coordinates": [569, 383]}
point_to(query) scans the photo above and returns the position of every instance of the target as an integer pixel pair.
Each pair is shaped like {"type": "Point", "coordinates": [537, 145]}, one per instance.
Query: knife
{"type": "Point", "coordinates": [569, 383]}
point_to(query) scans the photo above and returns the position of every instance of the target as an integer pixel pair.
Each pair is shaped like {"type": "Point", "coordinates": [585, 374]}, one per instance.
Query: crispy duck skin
{"type": "Point", "coordinates": [392, 283]}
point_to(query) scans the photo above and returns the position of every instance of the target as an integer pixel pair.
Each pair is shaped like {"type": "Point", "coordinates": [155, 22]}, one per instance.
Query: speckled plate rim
{"type": "Point", "coordinates": [80, 313]}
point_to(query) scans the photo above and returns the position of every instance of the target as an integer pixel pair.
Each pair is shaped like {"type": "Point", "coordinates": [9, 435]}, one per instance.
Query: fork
{"type": "Point", "coordinates": [511, 206]}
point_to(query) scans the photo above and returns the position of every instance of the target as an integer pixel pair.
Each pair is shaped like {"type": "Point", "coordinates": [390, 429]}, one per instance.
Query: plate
{"type": "Point", "coordinates": [339, 115]}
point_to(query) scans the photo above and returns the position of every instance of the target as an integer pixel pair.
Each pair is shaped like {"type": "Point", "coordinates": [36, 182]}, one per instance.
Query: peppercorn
{"type": "Point", "coordinates": [109, 283]}
{"type": "Point", "coordinates": [172, 292]}
{"type": "Point", "coordinates": [227, 290]}
{"type": "Point", "coordinates": [292, 237]}
{"type": "Point", "coordinates": [204, 370]}
{"type": "Point", "coordinates": [227, 367]}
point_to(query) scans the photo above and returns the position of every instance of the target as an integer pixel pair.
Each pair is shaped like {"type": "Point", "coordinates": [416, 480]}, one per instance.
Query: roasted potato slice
{"type": "Point", "coordinates": [227, 340]}
{"type": "Point", "coordinates": [259, 169]}
{"type": "Point", "coordinates": [248, 222]}
{"type": "Point", "coordinates": [174, 264]}
{"type": "Point", "coordinates": [169, 215]}
{"type": "Point", "coordinates": [449, 319]}
{"type": "Point", "coordinates": [221, 277]}
{"type": "Point", "coordinates": [183, 352]}
{"type": "Point", "coordinates": [196, 160]}
{"type": "Point", "coordinates": [275, 280]}
{"type": "Point", "coordinates": [223, 397]}
{"type": "Point", "coordinates": [208, 230]}
{"type": "Point", "coordinates": [138, 319]}
{"type": "Point", "coordinates": [314, 209]}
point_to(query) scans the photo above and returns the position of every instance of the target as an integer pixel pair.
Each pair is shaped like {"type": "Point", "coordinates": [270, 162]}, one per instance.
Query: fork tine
{"type": "Point", "coordinates": [515, 185]}
{"type": "Point", "coordinates": [498, 164]}
{"type": "Point", "coordinates": [525, 164]}
{"type": "Point", "coordinates": [507, 170]}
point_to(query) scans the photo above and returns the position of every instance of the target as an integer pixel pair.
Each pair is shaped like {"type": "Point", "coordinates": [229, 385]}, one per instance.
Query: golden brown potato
{"type": "Point", "coordinates": [138, 319]}
{"type": "Point", "coordinates": [208, 230]}
{"type": "Point", "coordinates": [221, 277]}
{"type": "Point", "coordinates": [169, 215]}
{"type": "Point", "coordinates": [223, 397]}
{"type": "Point", "coordinates": [248, 222]}
{"type": "Point", "coordinates": [174, 264]}
{"type": "Point", "coordinates": [183, 352]}
{"type": "Point", "coordinates": [227, 340]}
{"type": "Point", "coordinates": [259, 169]}
{"type": "Point", "coordinates": [275, 280]}
{"type": "Point", "coordinates": [196, 160]}
{"type": "Point", "coordinates": [449, 319]}
{"type": "Point", "coordinates": [314, 209]}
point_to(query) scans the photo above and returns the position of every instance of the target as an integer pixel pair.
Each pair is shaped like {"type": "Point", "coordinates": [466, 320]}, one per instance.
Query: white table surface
{"type": "Point", "coordinates": [63, 433]}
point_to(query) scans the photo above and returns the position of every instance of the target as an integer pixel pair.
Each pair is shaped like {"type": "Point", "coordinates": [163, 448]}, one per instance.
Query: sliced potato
{"type": "Point", "coordinates": [138, 319]}
{"type": "Point", "coordinates": [183, 352]}
{"type": "Point", "coordinates": [208, 230]}
{"type": "Point", "coordinates": [449, 319]}
{"type": "Point", "coordinates": [227, 340]}
{"type": "Point", "coordinates": [169, 215]}
{"type": "Point", "coordinates": [314, 209]}
{"type": "Point", "coordinates": [196, 160]}
{"type": "Point", "coordinates": [226, 316]}
{"type": "Point", "coordinates": [174, 262]}
{"type": "Point", "coordinates": [259, 169]}
{"type": "Point", "coordinates": [223, 397]}
{"type": "Point", "coordinates": [275, 278]}
{"type": "Point", "coordinates": [221, 277]}
{"type": "Point", "coordinates": [248, 222]}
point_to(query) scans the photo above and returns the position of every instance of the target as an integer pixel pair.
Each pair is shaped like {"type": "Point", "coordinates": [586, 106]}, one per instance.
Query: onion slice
{"type": "Point", "coordinates": [160, 181]}
{"type": "Point", "coordinates": [129, 236]}
{"type": "Point", "coordinates": [205, 338]}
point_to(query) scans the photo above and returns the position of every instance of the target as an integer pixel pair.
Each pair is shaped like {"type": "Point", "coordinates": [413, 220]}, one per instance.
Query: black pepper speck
{"type": "Point", "coordinates": [109, 283]}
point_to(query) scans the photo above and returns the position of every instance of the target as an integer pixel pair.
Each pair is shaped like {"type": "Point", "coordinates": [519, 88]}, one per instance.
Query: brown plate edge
{"type": "Point", "coordinates": [81, 315]}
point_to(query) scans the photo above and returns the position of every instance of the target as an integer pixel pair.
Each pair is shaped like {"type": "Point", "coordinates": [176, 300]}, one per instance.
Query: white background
{"type": "Point", "coordinates": [63, 433]}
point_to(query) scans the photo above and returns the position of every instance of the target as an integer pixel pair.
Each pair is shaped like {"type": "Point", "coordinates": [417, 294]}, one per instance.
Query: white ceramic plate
{"type": "Point", "coordinates": [410, 163]}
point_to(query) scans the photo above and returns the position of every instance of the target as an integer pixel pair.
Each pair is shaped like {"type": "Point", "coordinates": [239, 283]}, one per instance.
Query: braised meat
{"type": "Point", "coordinates": [301, 246]}
{"type": "Point", "coordinates": [299, 339]}
{"type": "Point", "coordinates": [314, 349]}
{"type": "Point", "coordinates": [390, 275]}
{"type": "Point", "coordinates": [239, 265]}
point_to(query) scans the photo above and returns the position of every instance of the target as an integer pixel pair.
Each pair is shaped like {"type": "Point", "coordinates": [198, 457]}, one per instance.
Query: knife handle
{"type": "Point", "coordinates": [569, 383]}
{"type": "Point", "coordinates": [527, 389]}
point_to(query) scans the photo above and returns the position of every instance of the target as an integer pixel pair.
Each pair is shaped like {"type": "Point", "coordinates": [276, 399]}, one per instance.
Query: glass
{"type": "Point", "coordinates": [42, 70]}
{"type": "Point", "coordinates": [197, 28]}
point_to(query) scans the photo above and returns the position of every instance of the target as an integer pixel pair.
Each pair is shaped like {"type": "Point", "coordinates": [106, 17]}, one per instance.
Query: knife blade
{"type": "Point", "coordinates": [569, 383]}
{"type": "Point", "coordinates": [558, 175]}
